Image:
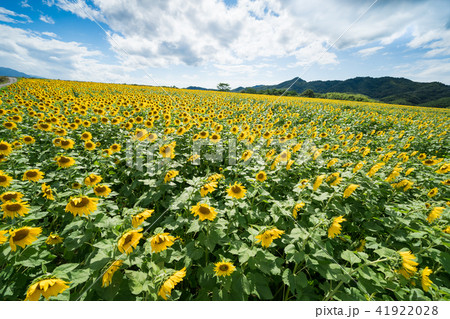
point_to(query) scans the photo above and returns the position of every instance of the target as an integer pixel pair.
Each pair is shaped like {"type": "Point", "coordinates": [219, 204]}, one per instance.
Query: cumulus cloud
{"type": "Point", "coordinates": [162, 33]}
{"type": "Point", "coordinates": [13, 17]}
{"type": "Point", "coordinates": [46, 19]}
{"type": "Point", "coordinates": [31, 53]}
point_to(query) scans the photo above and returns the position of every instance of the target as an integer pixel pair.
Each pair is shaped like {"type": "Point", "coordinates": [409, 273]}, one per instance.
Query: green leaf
{"type": "Point", "coordinates": [259, 286]}
{"type": "Point", "coordinates": [137, 281]}
{"type": "Point", "coordinates": [350, 256]}
{"type": "Point", "coordinates": [194, 227]}
{"type": "Point", "coordinates": [64, 269]}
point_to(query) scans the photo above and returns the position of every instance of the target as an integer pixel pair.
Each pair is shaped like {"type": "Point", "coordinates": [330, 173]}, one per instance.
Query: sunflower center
{"type": "Point", "coordinates": [3, 147]}
{"type": "Point", "coordinates": [8, 124]}
{"type": "Point", "coordinates": [260, 175]}
{"type": "Point", "coordinates": [82, 203]}
{"type": "Point", "coordinates": [236, 189]}
{"type": "Point", "coordinates": [2, 179]}
{"type": "Point", "coordinates": [204, 210]}
{"type": "Point", "coordinates": [65, 143]}
{"type": "Point", "coordinates": [89, 145]}
{"type": "Point", "coordinates": [27, 139]}
{"type": "Point", "coordinates": [223, 267]}
{"type": "Point", "coordinates": [13, 207]}
{"type": "Point", "coordinates": [128, 239]}
{"type": "Point", "coordinates": [100, 189]}
{"type": "Point", "coordinates": [159, 240]}
{"type": "Point", "coordinates": [31, 174]}
{"type": "Point", "coordinates": [64, 160]}
{"type": "Point", "coordinates": [10, 196]}
{"type": "Point", "coordinates": [20, 234]}
{"type": "Point", "coordinates": [85, 135]}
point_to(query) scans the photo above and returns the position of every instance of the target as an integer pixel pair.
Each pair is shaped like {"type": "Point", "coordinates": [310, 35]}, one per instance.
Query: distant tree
{"type": "Point", "coordinates": [308, 93]}
{"type": "Point", "coordinates": [223, 87]}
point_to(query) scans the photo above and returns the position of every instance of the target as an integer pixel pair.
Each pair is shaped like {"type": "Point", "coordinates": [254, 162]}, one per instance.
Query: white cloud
{"type": "Point", "coordinates": [13, 17]}
{"type": "Point", "coordinates": [25, 4]}
{"type": "Point", "coordinates": [46, 19]}
{"type": "Point", "coordinates": [426, 70]}
{"type": "Point", "coordinates": [369, 51]}
{"type": "Point", "coordinates": [50, 34]}
{"type": "Point", "coordinates": [28, 52]}
{"type": "Point", "coordinates": [77, 7]}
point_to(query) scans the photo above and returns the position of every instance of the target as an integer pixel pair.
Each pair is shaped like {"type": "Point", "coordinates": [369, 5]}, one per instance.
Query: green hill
{"type": "Point", "coordinates": [385, 89]}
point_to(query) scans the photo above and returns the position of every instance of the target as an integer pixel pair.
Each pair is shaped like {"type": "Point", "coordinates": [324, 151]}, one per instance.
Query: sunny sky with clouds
{"type": "Point", "coordinates": [243, 43]}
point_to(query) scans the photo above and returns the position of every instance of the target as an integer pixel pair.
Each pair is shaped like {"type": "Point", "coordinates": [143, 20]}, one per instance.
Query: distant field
{"type": "Point", "coordinates": [3, 79]}
{"type": "Point", "coordinates": [199, 195]}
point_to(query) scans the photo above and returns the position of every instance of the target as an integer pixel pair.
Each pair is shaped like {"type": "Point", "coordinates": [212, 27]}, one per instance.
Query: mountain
{"type": "Point", "coordinates": [14, 73]}
{"type": "Point", "coordinates": [384, 89]}
{"type": "Point", "coordinates": [200, 88]}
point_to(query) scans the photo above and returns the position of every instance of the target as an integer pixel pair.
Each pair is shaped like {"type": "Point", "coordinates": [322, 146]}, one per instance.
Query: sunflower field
{"type": "Point", "coordinates": [126, 192]}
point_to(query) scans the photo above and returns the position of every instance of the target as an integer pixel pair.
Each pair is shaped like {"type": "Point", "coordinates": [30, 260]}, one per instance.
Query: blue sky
{"type": "Point", "coordinates": [240, 42]}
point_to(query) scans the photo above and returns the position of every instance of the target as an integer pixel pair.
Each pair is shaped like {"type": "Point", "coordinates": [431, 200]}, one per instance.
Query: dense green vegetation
{"type": "Point", "coordinates": [385, 89]}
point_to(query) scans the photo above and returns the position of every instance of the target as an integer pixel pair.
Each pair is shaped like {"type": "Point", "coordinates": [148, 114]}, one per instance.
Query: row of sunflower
{"type": "Point", "coordinates": [192, 195]}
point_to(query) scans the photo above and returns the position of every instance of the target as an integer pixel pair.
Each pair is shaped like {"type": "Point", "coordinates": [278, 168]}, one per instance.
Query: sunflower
{"type": "Point", "coordinates": [138, 219]}
{"type": "Point", "coordinates": [92, 179]}
{"type": "Point", "coordinates": [375, 168]}
{"type": "Point", "coordinates": [54, 239]}
{"type": "Point", "coordinates": [86, 136]}
{"type": "Point", "coordinates": [5, 148]}
{"type": "Point", "coordinates": [335, 228]}
{"type": "Point", "coordinates": [408, 265]}
{"type": "Point", "coordinates": [13, 209]}
{"type": "Point", "coordinates": [426, 282]}
{"type": "Point", "coordinates": [409, 171]}
{"type": "Point", "coordinates": [108, 275]}
{"type": "Point", "coordinates": [436, 212]}
{"type": "Point", "coordinates": [246, 155]}
{"type": "Point", "coordinates": [48, 192]}
{"type": "Point", "coordinates": [89, 145]}
{"type": "Point", "coordinates": [297, 208]}
{"type": "Point", "coordinates": [46, 287]}
{"type": "Point", "coordinates": [303, 183]}
{"type": "Point", "coordinates": [169, 284]}
{"type": "Point", "coordinates": [3, 237]}
{"type": "Point", "coordinates": [332, 162]}
{"type": "Point", "coordinates": [65, 161]}
{"type": "Point", "coordinates": [215, 177]}
{"type": "Point", "coordinates": [33, 175]}
{"type": "Point", "coordinates": [170, 175]}
{"type": "Point", "coordinates": [66, 144]}
{"type": "Point", "coordinates": [161, 241]}
{"type": "Point", "coordinates": [28, 139]}
{"type": "Point", "coordinates": [168, 151]}
{"type": "Point", "coordinates": [261, 176]}
{"type": "Point", "coordinates": [268, 236]}
{"type": "Point", "coordinates": [208, 188]}
{"type": "Point", "coordinates": [215, 138]}
{"type": "Point", "coordinates": [81, 205]}
{"type": "Point", "coordinates": [129, 240]}
{"type": "Point", "coordinates": [204, 211]}
{"type": "Point", "coordinates": [445, 168]}
{"type": "Point", "coordinates": [433, 192]}
{"type": "Point", "coordinates": [140, 134]}
{"type": "Point", "coordinates": [432, 161]}
{"type": "Point", "coordinates": [318, 181]}
{"type": "Point", "coordinates": [224, 268]}
{"type": "Point", "coordinates": [23, 236]}
{"type": "Point", "coordinates": [152, 137]}
{"type": "Point", "coordinates": [236, 191]}
{"type": "Point", "coordinates": [349, 190]}
{"type": "Point", "coordinates": [106, 152]}
{"type": "Point", "coordinates": [9, 196]}
{"type": "Point", "coordinates": [284, 156]}
{"type": "Point", "coordinates": [102, 190]}
{"type": "Point", "coordinates": [76, 185]}
{"type": "Point", "coordinates": [115, 148]}
{"type": "Point", "coordinates": [10, 125]}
